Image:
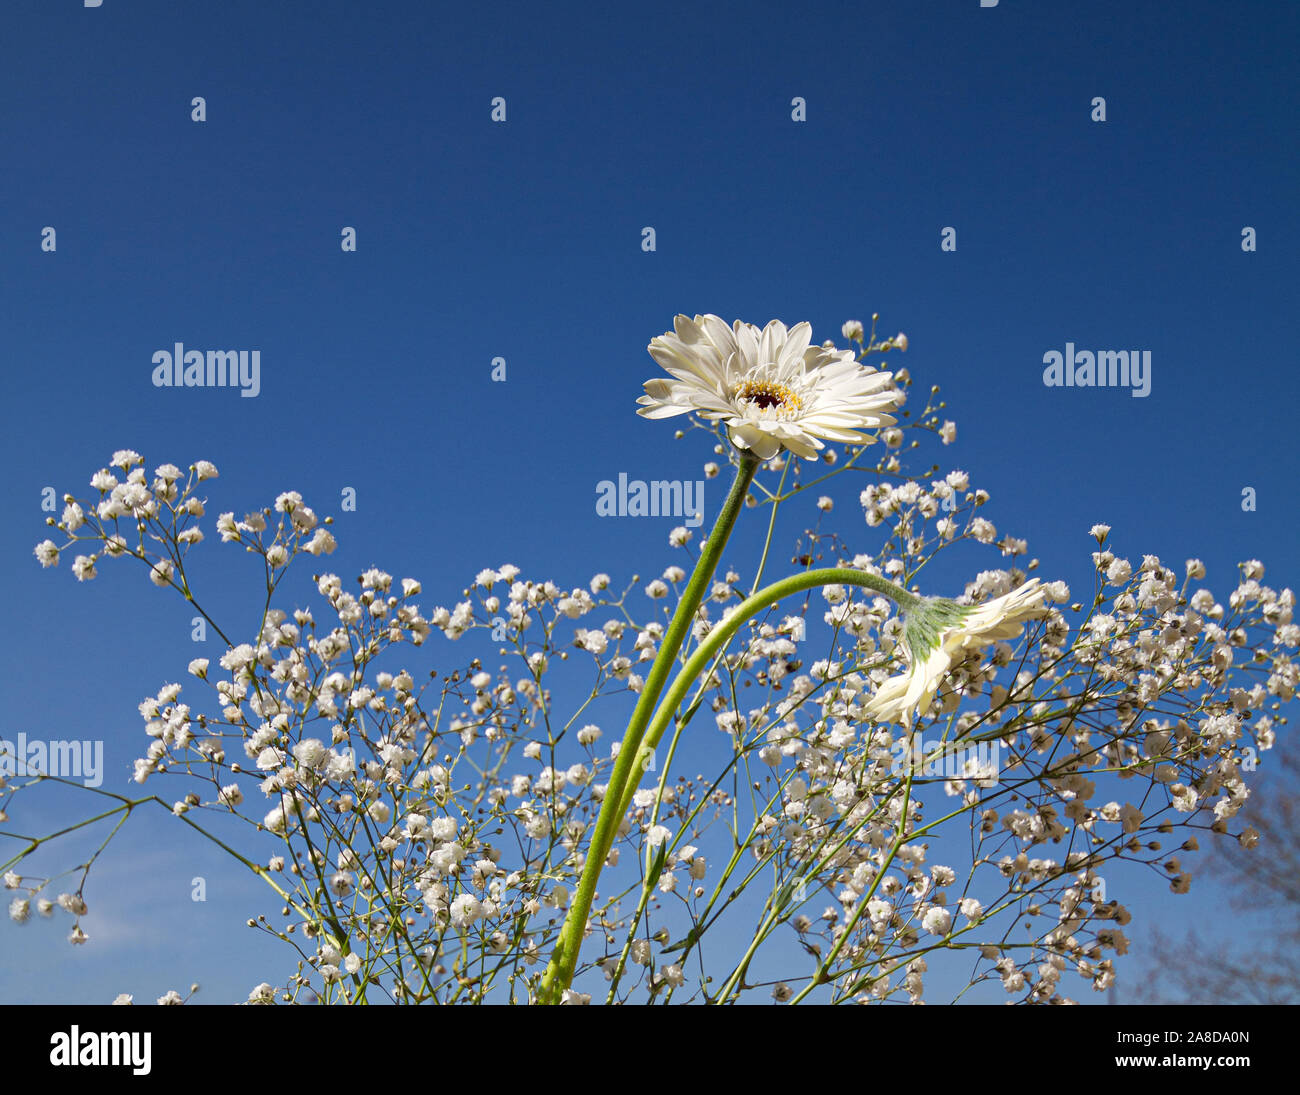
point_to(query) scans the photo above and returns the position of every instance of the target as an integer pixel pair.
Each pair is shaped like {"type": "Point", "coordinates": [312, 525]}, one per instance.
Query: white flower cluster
{"type": "Point", "coordinates": [421, 814]}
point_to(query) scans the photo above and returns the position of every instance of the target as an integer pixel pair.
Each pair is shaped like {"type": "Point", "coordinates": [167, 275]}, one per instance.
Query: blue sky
{"type": "Point", "coordinates": [522, 240]}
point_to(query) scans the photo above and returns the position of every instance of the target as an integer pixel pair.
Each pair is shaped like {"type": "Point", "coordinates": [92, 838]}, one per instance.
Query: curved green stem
{"type": "Point", "coordinates": [564, 959]}
{"type": "Point", "coordinates": [717, 638]}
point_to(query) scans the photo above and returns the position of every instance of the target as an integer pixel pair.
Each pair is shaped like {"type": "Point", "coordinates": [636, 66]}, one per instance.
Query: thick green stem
{"type": "Point", "coordinates": [564, 959]}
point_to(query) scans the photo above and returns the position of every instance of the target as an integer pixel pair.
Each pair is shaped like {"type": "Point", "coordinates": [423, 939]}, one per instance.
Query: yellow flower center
{"type": "Point", "coordinates": [769, 395]}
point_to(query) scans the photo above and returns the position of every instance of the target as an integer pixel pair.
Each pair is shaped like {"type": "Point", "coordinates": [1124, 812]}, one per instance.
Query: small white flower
{"type": "Point", "coordinates": [262, 994]}
{"type": "Point", "coordinates": [276, 820]}
{"type": "Point", "coordinates": [310, 753]}
{"type": "Point", "coordinates": [1131, 818]}
{"type": "Point", "coordinates": [593, 641]}
{"type": "Point", "coordinates": [238, 657]}
{"type": "Point", "coordinates": [321, 543]}
{"type": "Point", "coordinates": [937, 920]}
{"type": "Point", "coordinates": [72, 903]}
{"type": "Point", "coordinates": [1183, 797]}
{"type": "Point", "coordinates": [269, 758]}
{"type": "Point", "coordinates": [465, 909]}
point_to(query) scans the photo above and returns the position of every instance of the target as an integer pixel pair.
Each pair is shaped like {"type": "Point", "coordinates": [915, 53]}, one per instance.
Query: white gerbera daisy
{"type": "Point", "coordinates": [771, 387]}
{"type": "Point", "coordinates": [939, 634]}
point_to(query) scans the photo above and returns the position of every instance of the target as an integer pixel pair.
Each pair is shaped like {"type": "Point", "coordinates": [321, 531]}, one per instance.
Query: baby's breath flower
{"type": "Point", "coordinates": [465, 909]}
{"type": "Point", "coordinates": [937, 920]}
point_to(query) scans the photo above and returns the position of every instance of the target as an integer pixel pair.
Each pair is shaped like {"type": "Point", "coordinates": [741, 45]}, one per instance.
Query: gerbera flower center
{"type": "Point", "coordinates": [769, 395]}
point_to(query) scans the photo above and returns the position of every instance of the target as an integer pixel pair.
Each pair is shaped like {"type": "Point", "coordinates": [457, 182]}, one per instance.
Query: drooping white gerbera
{"type": "Point", "coordinates": [938, 635]}
{"type": "Point", "coordinates": [771, 387]}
